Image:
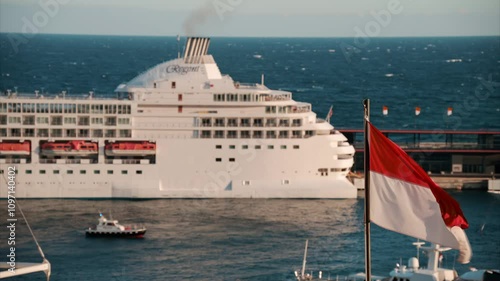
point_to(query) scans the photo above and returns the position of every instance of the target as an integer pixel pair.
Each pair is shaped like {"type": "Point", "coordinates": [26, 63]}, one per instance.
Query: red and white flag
{"type": "Point", "coordinates": [450, 111]}
{"type": "Point", "coordinates": [404, 199]}
{"type": "Point", "coordinates": [417, 110]}
{"type": "Point", "coordinates": [330, 113]}
{"type": "Point", "coordinates": [385, 110]}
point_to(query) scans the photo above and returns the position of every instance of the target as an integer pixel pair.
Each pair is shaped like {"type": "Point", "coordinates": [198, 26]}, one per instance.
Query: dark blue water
{"type": "Point", "coordinates": [401, 73]}
{"type": "Point", "coordinates": [233, 239]}
{"type": "Point", "coordinates": [261, 239]}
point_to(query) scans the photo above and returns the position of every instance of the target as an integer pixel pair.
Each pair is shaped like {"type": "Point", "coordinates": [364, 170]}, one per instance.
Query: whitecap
{"type": "Point", "coordinates": [454, 60]}
{"type": "Point", "coordinates": [389, 74]}
{"type": "Point", "coordinates": [331, 50]}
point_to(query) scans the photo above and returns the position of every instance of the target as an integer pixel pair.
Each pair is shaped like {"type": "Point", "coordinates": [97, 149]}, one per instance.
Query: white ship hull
{"type": "Point", "coordinates": [187, 169]}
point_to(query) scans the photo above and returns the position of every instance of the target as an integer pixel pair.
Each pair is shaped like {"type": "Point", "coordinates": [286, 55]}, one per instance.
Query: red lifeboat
{"type": "Point", "coordinates": [130, 148]}
{"type": "Point", "coordinates": [15, 148]}
{"type": "Point", "coordinates": [70, 148]}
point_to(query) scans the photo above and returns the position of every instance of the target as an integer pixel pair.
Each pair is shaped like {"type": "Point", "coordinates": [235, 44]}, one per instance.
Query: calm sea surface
{"type": "Point", "coordinates": [233, 239]}
{"type": "Point", "coordinates": [261, 239]}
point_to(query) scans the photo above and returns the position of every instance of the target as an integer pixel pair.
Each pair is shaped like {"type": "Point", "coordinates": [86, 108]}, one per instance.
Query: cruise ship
{"type": "Point", "coordinates": [179, 130]}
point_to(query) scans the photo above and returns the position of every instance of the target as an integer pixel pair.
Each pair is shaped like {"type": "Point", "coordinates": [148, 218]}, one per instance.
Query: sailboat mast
{"type": "Point", "coordinates": [304, 261]}
{"type": "Point", "coordinates": [368, 273]}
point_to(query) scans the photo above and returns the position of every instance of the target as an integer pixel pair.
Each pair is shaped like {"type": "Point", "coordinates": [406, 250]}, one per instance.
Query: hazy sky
{"type": "Point", "coordinates": [285, 18]}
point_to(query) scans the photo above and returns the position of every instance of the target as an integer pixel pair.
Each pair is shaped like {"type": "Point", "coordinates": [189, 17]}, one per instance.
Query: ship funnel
{"type": "Point", "coordinates": [196, 47]}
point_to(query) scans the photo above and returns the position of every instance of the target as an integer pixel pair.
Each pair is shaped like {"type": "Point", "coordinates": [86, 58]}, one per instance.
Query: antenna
{"type": "Point", "coordinates": [262, 79]}
{"type": "Point", "coordinates": [304, 261]}
{"type": "Point", "coordinates": [178, 46]}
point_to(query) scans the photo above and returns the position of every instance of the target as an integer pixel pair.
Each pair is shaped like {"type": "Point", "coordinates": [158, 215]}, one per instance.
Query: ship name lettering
{"type": "Point", "coordinates": [182, 69]}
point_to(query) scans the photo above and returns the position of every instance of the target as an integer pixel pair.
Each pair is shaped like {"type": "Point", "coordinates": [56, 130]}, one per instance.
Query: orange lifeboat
{"type": "Point", "coordinates": [70, 148]}
{"type": "Point", "coordinates": [130, 148]}
{"type": "Point", "coordinates": [15, 148]}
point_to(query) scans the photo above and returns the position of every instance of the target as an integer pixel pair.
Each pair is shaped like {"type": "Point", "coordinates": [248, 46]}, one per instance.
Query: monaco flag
{"type": "Point", "coordinates": [404, 199]}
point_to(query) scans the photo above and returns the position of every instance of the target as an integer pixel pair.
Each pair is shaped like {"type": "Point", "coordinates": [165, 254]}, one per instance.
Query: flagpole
{"type": "Point", "coordinates": [368, 273]}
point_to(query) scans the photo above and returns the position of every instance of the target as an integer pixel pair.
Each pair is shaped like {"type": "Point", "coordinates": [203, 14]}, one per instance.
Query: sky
{"type": "Point", "coordinates": [254, 18]}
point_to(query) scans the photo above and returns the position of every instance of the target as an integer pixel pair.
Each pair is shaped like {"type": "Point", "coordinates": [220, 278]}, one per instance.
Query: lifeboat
{"type": "Point", "coordinates": [70, 148]}
{"type": "Point", "coordinates": [15, 148]}
{"type": "Point", "coordinates": [130, 148]}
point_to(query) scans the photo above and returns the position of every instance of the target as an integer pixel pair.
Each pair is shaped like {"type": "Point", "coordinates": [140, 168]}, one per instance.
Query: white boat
{"type": "Point", "coordinates": [111, 228]}
{"type": "Point", "coordinates": [480, 275]}
{"type": "Point", "coordinates": [214, 138]}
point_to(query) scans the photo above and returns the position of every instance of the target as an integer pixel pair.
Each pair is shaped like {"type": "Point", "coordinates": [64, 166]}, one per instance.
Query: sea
{"type": "Point", "coordinates": [256, 239]}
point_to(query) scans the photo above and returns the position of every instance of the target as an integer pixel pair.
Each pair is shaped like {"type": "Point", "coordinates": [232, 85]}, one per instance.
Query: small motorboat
{"type": "Point", "coordinates": [111, 228]}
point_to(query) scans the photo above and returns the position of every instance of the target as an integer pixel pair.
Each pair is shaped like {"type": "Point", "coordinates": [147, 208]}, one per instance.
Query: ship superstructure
{"type": "Point", "coordinates": [179, 130]}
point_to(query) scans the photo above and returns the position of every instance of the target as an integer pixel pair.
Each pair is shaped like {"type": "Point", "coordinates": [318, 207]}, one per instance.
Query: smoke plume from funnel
{"type": "Point", "coordinates": [198, 18]}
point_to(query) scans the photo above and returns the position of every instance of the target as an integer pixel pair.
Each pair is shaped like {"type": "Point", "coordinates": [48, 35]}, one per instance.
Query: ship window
{"type": "Point", "coordinates": [71, 133]}
{"type": "Point", "coordinates": [110, 172]}
{"type": "Point", "coordinates": [173, 84]}
{"type": "Point", "coordinates": [257, 147]}
{"type": "Point", "coordinates": [179, 109]}
{"type": "Point", "coordinates": [29, 132]}
{"type": "Point", "coordinates": [97, 172]}
{"type": "Point", "coordinates": [206, 122]}
{"type": "Point", "coordinates": [69, 120]}
{"type": "Point", "coordinates": [296, 134]}
{"type": "Point", "coordinates": [219, 134]}
{"type": "Point", "coordinates": [139, 172]}
{"type": "Point", "coordinates": [219, 122]}
{"type": "Point", "coordinates": [205, 134]}
{"type": "Point", "coordinates": [125, 133]}
{"type": "Point", "coordinates": [42, 120]}
{"type": "Point", "coordinates": [83, 121]}
{"type": "Point", "coordinates": [14, 120]}
{"type": "Point", "coordinates": [244, 146]}
{"type": "Point", "coordinates": [284, 122]}
{"type": "Point", "coordinates": [123, 121]}
{"type": "Point", "coordinates": [56, 172]}
{"type": "Point", "coordinates": [296, 122]}
{"type": "Point", "coordinates": [42, 172]}
{"type": "Point", "coordinates": [69, 172]}
{"type": "Point", "coordinates": [97, 133]}
{"type": "Point", "coordinates": [257, 134]}
{"type": "Point", "coordinates": [83, 133]}
{"type": "Point", "coordinates": [218, 97]}
{"type": "Point", "coordinates": [179, 97]}
{"type": "Point", "coordinates": [245, 122]}
{"type": "Point", "coordinates": [270, 109]}
{"type": "Point", "coordinates": [96, 120]}
{"type": "Point", "coordinates": [231, 160]}
{"type": "Point", "coordinates": [271, 123]}
{"type": "Point", "coordinates": [258, 122]}
{"type": "Point", "coordinates": [218, 146]}
{"type": "Point", "coordinates": [232, 134]}
{"type": "Point", "coordinates": [271, 134]}
{"type": "Point", "coordinates": [270, 147]}
{"type": "Point", "coordinates": [28, 172]}
{"type": "Point", "coordinates": [285, 182]}
{"type": "Point", "coordinates": [83, 172]}
{"type": "Point", "coordinates": [246, 182]}
{"type": "Point", "coordinates": [232, 147]}
{"type": "Point", "coordinates": [296, 147]}
{"type": "Point", "coordinates": [283, 134]}
{"type": "Point", "coordinates": [3, 132]}
{"type": "Point", "coordinates": [124, 172]}
{"type": "Point", "coordinates": [1, 172]}
{"type": "Point", "coordinates": [232, 97]}
{"type": "Point", "coordinates": [218, 159]}
{"type": "Point", "coordinates": [283, 147]}
{"type": "Point", "coordinates": [28, 120]}
{"type": "Point", "coordinates": [110, 133]}
{"type": "Point", "coordinates": [110, 121]}
{"type": "Point", "coordinates": [232, 122]}
{"type": "Point", "coordinates": [57, 133]}
{"type": "Point", "coordinates": [3, 119]}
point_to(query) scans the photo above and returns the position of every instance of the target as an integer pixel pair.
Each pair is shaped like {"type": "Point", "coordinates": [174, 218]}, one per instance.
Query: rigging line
{"type": "Point", "coordinates": [31, 231]}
